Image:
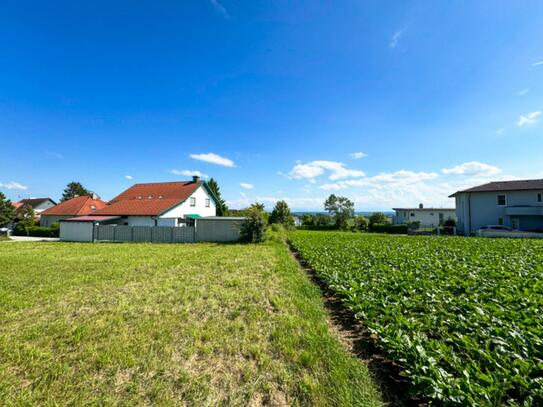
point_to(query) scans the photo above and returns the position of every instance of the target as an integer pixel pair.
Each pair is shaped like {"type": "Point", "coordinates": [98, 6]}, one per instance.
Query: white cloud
{"type": "Point", "coordinates": [531, 118]}
{"type": "Point", "coordinates": [395, 39]}
{"type": "Point", "coordinates": [220, 8]}
{"type": "Point", "coordinates": [500, 131]}
{"type": "Point", "coordinates": [316, 168]}
{"type": "Point", "coordinates": [213, 159]}
{"type": "Point", "coordinates": [246, 185]}
{"type": "Point", "coordinates": [537, 63]}
{"type": "Point", "coordinates": [189, 173]}
{"type": "Point", "coordinates": [522, 92]}
{"type": "Point", "coordinates": [357, 156]}
{"type": "Point", "coordinates": [403, 177]}
{"type": "Point", "coordinates": [129, 177]}
{"type": "Point", "coordinates": [12, 185]}
{"type": "Point", "coordinates": [306, 171]}
{"type": "Point", "coordinates": [472, 168]}
{"type": "Point", "coordinates": [54, 154]}
{"type": "Point", "coordinates": [243, 194]}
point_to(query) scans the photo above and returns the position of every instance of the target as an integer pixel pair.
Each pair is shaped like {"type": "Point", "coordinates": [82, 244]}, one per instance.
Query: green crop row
{"type": "Point", "coordinates": [463, 316]}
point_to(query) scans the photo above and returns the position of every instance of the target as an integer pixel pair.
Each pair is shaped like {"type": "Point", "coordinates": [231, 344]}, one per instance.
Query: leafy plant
{"type": "Point", "coordinates": [464, 316]}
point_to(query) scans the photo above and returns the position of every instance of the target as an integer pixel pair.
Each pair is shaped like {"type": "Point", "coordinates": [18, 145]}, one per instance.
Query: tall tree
{"type": "Point", "coordinates": [281, 214]}
{"type": "Point", "coordinates": [7, 211]}
{"type": "Point", "coordinates": [26, 217]}
{"type": "Point", "coordinates": [221, 204]}
{"type": "Point", "coordinates": [378, 218]}
{"type": "Point", "coordinates": [74, 189]}
{"type": "Point", "coordinates": [342, 208]}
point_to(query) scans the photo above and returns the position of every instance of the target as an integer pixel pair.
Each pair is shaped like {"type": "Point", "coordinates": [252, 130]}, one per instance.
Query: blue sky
{"type": "Point", "coordinates": [389, 103]}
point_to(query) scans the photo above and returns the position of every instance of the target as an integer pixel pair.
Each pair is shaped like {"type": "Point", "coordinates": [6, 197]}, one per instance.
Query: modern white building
{"type": "Point", "coordinates": [427, 217]}
{"type": "Point", "coordinates": [516, 204]}
{"type": "Point", "coordinates": [162, 204]}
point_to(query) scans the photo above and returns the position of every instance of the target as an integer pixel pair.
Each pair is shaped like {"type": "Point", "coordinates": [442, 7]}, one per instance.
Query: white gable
{"type": "Point", "coordinates": [201, 199]}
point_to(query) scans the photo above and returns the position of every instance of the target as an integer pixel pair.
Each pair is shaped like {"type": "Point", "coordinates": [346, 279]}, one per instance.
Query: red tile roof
{"type": "Point", "coordinates": [499, 186]}
{"type": "Point", "coordinates": [81, 205]}
{"type": "Point", "coordinates": [150, 199]}
{"type": "Point", "coordinates": [92, 218]}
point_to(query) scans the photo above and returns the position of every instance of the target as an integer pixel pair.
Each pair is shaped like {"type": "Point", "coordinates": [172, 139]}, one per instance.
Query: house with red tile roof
{"type": "Point", "coordinates": [78, 206]}
{"type": "Point", "coordinates": [162, 204]}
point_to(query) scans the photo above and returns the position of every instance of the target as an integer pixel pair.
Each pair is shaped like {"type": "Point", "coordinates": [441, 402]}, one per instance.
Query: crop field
{"type": "Point", "coordinates": [163, 325]}
{"type": "Point", "coordinates": [463, 316]}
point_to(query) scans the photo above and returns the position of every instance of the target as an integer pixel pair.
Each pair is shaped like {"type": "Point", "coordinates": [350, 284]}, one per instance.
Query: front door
{"type": "Point", "coordinates": [515, 224]}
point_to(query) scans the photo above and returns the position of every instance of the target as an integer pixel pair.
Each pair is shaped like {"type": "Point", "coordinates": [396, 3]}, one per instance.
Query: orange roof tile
{"type": "Point", "coordinates": [81, 205]}
{"type": "Point", "coordinates": [149, 199]}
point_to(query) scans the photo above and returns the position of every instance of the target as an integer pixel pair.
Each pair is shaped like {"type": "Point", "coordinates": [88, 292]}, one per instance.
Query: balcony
{"type": "Point", "coordinates": [524, 210]}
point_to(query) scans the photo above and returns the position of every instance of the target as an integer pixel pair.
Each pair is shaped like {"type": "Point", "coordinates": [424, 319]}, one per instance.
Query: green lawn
{"type": "Point", "coordinates": [149, 324]}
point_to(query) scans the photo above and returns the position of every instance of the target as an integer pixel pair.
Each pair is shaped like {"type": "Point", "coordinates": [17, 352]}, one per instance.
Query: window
{"type": "Point", "coordinates": [192, 201]}
{"type": "Point", "coordinates": [539, 197]}
{"type": "Point", "coordinates": [501, 200]}
{"type": "Point", "coordinates": [500, 221]}
{"type": "Point", "coordinates": [441, 217]}
{"type": "Point", "coordinates": [412, 214]}
{"type": "Point", "coordinates": [405, 214]}
{"type": "Point", "coordinates": [208, 203]}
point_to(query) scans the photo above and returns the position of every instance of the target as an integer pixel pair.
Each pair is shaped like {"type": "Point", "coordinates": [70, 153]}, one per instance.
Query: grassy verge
{"type": "Point", "coordinates": [198, 324]}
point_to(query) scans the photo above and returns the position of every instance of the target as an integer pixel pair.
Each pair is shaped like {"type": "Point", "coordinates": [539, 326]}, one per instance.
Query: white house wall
{"type": "Point", "coordinates": [184, 209]}
{"type": "Point", "coordinates": [426, 217]}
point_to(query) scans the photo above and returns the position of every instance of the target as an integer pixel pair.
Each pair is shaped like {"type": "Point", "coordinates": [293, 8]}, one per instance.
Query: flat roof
{"type": "Point", "coordinates": [424, 209]}
{"type": "Point", "coordinates": [223, 218]}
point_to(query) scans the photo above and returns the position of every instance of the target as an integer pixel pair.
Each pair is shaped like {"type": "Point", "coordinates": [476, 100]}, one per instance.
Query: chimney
{"type": "Point", "coordinates": [421, 206]}
{"type": "Point", "coordinates": [195, 179]}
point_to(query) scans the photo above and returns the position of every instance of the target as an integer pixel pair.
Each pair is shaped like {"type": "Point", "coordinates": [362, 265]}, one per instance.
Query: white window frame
{"type": "Point", "coordinates": [208, 202]}
{"type": "Point", "coordinates": [505, 198]}
{"type": "Point", "coordinates": [192, 201]}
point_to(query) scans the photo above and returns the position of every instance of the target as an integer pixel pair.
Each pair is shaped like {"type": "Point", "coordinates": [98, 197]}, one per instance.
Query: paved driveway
{"type": "Point", "coordinates": [32, 239]}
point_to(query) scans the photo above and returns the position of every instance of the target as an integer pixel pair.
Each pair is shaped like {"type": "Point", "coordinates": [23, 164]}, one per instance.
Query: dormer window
{"type": "Point", "coordinates": [150, 197]}
{"type": "Point", "coordinates": [160, 197]}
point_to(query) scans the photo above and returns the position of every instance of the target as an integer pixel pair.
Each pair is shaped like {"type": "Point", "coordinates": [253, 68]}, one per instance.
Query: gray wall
{"type": "Point", "coordinates": [477, 209]}
{"type": "Point", "coordinates": [48, 220]}
{"type": "Point", "coordinates": [76, 231]}
{"type": "Point", "coordinates": [218, 229]}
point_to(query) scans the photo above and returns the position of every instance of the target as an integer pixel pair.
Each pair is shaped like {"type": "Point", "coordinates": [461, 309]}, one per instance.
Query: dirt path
{"type": "Point", "coordinates": [360, 343]}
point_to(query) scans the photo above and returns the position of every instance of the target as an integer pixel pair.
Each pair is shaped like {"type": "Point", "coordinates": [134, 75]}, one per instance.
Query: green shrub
{"type": "Point", "coordinates": [388, 228]}
{"type": "Point", "coordinates": [36, 231]}
{"type": "Point", "coordinates": [254, 226]}
{"type": "Point", "coordinates": [317, 227]}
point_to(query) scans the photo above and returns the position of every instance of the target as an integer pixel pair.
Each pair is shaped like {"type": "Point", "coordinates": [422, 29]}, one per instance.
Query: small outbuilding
{"type": "Point", "coordinates": [78, 206]}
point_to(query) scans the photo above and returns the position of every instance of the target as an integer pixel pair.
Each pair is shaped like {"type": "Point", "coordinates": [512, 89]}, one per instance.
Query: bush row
{"type": "Point", "coordinates": [37, 231]}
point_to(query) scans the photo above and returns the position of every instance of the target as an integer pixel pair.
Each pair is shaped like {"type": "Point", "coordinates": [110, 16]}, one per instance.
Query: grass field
{"type": "Point", "coordinates": [464, 316]}
{"type": "Point", "coordinates": [149, 324]}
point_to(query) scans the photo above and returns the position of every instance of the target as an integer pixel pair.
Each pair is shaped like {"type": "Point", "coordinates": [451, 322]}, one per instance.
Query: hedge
{"type": "Point", "coordinates": [388, 228]}
{"type": "Point", "coordinates": [317, 227]}
{"type": "Point", "coordinates": [37, 231]}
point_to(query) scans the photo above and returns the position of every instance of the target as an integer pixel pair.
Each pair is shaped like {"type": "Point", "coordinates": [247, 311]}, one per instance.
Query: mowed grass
{"type": "Point", "coordinates": [150, 324]}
